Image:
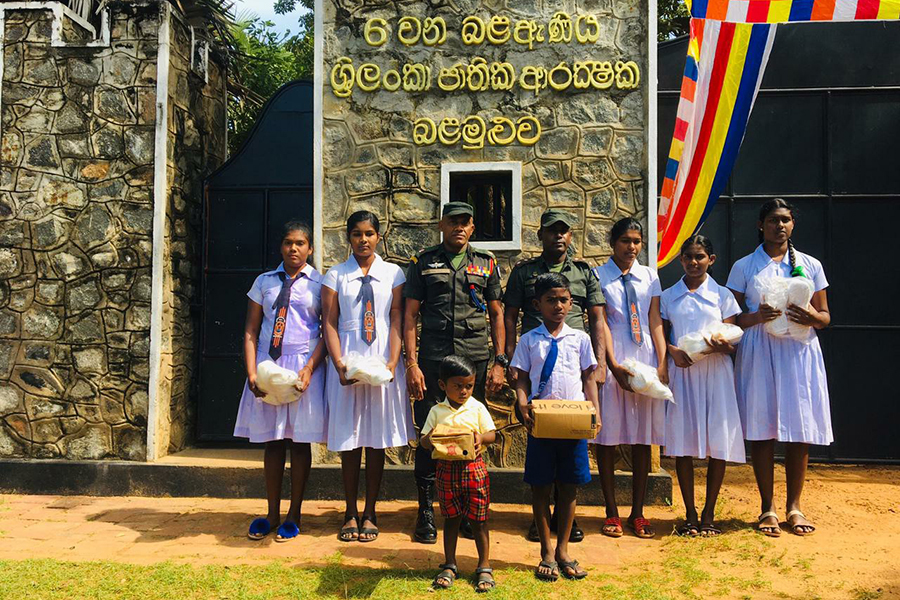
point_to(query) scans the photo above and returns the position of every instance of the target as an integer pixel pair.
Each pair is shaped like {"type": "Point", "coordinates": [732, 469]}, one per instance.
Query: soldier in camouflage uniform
{"type": "Point", "coordinates": [556, 236]}
{"type": "Point", "coordinates": [452, 287]}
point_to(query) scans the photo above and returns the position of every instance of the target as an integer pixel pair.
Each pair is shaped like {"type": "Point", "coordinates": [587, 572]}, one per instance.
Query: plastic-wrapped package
{"type": "Point", "coordinates": [368, 370]}
{"type": "Point", "coordinates": [645, 380]}
{"type": "Point", "coordinates": [781, 292]}
{"type": "Point", "coordinates": [699, 343]}
{"type": "Point", "coordinates": [279, 384]}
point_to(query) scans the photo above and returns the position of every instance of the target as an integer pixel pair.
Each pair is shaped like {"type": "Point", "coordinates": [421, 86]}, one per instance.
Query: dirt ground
{"type": "Point", "coordinates": [854, 554]}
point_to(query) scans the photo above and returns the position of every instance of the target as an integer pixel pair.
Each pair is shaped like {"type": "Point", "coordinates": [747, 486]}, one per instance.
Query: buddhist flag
{"type": "Point", "coordinates": [722, 74]}
{"type": "Point", "coordinates": [794, 11]}
{"type": "Point", "coordinates": [729, 47]}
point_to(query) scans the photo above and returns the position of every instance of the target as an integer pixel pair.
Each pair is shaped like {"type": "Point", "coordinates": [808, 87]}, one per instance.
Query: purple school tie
{"type": "Point", "coordinates": [634, 317]}
{"type": "Point", "coordinates": [281, 310]}
{"type": "Point", "coordinates": [367, 297]}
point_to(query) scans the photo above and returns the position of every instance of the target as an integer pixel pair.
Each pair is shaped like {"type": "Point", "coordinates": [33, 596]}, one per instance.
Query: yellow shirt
{"type": "Point", "coordinates": [472, 415]}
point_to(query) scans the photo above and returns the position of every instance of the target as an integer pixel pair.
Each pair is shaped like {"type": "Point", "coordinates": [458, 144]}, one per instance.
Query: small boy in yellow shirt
{"type": "Point", "coordinates": [463, 486]}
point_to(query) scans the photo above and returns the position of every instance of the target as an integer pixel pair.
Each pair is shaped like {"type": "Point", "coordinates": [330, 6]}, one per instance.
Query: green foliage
{"type": "Point", "coordinates": [674, 19]}
{"type": "Point", "coordinates": [266, 60]}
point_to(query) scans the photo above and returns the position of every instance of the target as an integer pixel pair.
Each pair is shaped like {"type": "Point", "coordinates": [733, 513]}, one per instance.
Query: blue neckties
{"type": "Point", "coordinates": [367, 297]}
{"type": "Point", "coordinates": [634, 316]}
{"type": "Point", "coordinates": [547, 369]}
{"type": "Point", "coordinates": [281, 310]}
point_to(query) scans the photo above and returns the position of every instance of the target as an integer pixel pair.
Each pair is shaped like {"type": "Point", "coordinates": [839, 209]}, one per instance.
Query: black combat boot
{"type": "Point", "coordinates": [426, 532]}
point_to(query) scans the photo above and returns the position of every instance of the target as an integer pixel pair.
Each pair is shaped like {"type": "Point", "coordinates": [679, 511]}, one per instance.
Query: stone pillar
{"type": "Point", "coordinates": [76, 230]}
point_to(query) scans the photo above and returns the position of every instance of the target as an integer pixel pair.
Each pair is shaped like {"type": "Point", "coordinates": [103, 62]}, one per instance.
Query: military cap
{"type": "Point", "coordinates": [457, 208]}
{"type": "Point", "coordinates": [552, 216]}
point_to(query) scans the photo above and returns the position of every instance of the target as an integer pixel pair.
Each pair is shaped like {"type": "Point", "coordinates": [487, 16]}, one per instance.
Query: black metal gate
{"type": "Point", "coordinates": [268, 182]}
{"type": "Point", "coordinates": [824, 134]}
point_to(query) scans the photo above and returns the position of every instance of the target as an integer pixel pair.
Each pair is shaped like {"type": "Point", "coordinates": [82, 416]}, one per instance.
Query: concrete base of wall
{"type": "Point", "coordinates": [242, 478]}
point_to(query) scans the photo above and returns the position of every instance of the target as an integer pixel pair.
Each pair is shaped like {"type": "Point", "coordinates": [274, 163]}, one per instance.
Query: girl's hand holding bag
{"type": "Point", "coordinates": [278, 383]}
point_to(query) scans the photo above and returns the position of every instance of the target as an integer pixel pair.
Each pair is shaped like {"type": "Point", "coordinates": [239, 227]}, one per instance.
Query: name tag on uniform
{"type": "Point", "coordinates": [436, 272]}
{"type": "Point", "coordinates": [478, 270]}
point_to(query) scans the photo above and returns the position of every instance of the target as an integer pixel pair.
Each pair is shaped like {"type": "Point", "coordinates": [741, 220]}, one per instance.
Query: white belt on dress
{"type": "Point", "coordinates": [355, 325]}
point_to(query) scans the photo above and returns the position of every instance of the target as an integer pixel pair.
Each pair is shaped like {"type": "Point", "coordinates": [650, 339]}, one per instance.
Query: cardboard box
{"type": "Point", "coordinates": [564, 419]}
{"type": "Point", "coordinates": [452, 444]}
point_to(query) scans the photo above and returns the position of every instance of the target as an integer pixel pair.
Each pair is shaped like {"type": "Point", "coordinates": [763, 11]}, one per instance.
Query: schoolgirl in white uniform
{"type": "Point", "coordinates": [704, 420]}
{"type": "Point", "coordinates": [288, 297]}
{"type": "Point", "coordinates": [781, 383]}
{"type": "Point", "coordinates": [362, 307]}
{"type": "Point", "coordinates": [634, 330]}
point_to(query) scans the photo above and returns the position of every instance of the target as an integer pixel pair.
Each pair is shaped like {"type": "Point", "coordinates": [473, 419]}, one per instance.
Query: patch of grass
{"type": "Point", "coordinates": [738, 564]}
{"type": "Point", "coordinates": [864, 594]}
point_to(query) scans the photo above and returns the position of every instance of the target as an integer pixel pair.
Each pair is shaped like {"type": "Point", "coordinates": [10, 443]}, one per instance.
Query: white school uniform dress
{"type": "Point", "coordinates": [704, 419]}
{"type": "Point", "coordinates": [629, 418]}
{"type": "Point", "coordinates": [366, 416]}
{"type": "Point", "coordinates": [303, 420]}
{"type": "Point", "coordinates": [781, 385]}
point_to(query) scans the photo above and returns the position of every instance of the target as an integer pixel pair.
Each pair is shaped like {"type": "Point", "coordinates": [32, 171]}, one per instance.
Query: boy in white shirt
{"type": "Point", "coordinates": [555, 361]}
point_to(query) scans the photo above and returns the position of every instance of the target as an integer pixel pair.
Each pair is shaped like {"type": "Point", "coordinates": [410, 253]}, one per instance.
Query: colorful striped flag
{"type": "Point", "coordinates": [729, 47]}
{"type": "Point", "coordinates": [722, 74]}
{"type": "Point", "coordinates": [793, 11]}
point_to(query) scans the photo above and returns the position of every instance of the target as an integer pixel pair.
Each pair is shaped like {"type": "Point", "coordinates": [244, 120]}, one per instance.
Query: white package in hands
{"type": "Point", "coordinates": [699, 343]}
{"type": "Point", "coordinates": [645, 380]}
{"type": "Point", "coordinates": [781, 292]}
{"type": "Point", "coordinates": [369, 370]}
{"type": "Point", "coordinates": [278, 383]}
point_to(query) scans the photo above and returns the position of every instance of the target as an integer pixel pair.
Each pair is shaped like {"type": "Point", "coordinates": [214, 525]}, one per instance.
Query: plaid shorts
{"type": "Point", "coordinates": [463, 489]}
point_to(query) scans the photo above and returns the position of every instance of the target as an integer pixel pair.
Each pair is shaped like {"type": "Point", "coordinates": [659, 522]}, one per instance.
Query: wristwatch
{"type": "Point", "coordinates": [502, 360]}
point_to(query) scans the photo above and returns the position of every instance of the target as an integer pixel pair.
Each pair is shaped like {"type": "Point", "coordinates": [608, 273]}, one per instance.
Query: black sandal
{"type": "Point", "coordinates": [448, 572]}
{"type": "Point", "coordinates": [373, 531]}
{"type": "Point", "coordinates": [484, 576]}
{"type": "Point", "coordinates": [551, 566]}
{"type": "Point", "coordinates": [688, 529]}
{"type": "Point", "coordinates": [349, 534]}
{"type": "Point", "coordinates": [577, 572]}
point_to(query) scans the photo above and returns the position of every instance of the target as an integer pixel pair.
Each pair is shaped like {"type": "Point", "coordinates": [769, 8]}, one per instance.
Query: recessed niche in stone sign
{"type": "Point", "coordinates": [494, 192]}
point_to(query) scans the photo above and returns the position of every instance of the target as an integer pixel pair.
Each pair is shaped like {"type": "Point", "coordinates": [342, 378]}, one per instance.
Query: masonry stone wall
{"type": "Point", "coordinates": [76, 233]}
{"type": "Point", "coordinates": [591, 158]}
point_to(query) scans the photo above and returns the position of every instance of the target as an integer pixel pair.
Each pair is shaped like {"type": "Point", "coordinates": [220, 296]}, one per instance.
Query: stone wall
{"type": "Point", "coordinates": [590, 161]}
{"type": "Point", "coordinates": [76, 235]}
{"type": "Point", "coordinates": [196, 146]}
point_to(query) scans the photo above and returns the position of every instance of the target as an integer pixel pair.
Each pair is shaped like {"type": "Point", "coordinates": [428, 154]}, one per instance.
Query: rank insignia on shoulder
{"type": "Point", "coordinates": [414, 259]}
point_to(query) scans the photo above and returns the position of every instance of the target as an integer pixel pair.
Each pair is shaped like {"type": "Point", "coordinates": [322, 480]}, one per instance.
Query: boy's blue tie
{"type": "Point", "coordinates": [634, 317]}
{"type": "Point", "coordinates": [367, 297]}
{"type": "Point", "coordinates": [547, 369]}
{"type": "Point", "coordinates": [281, 309]}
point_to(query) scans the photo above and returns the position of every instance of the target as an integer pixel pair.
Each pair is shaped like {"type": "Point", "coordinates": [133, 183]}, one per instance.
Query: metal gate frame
{"type": "Point", "coordinates": [251, 178]}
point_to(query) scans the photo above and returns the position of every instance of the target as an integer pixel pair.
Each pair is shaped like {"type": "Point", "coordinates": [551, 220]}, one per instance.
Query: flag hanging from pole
{"type": "Point", "coordinates": [730, 43]}
{"type": "Point", "coordinates": [722, 74]}
{"type": "Point", "coordinates": [794, 11]}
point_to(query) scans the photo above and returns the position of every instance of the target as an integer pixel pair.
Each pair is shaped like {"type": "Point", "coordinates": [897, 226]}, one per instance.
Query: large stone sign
{"type": "Point", "coordinates": [558, 88]}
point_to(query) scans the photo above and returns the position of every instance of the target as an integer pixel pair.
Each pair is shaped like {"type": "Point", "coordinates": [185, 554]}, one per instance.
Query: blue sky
{"type": "Point", "coordinates": [263, 9]}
